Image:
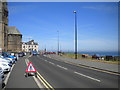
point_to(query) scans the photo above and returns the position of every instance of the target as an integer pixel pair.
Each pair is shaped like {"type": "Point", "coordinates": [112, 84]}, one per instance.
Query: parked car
{"type": "Point", "coordinates": [20, 54]}
{"type": "Point", "coordinates": [5, 67]}
{"type": "Point", "coordinates": [12, 54]}
{"type": "Point", "coordinates": [25, 53]}
{"type": "Point", "coordinates": [6, 58]}
{"type": "Point", "coordinates": [7, 55]}
{"type": "Point", "coordinates": [7, 61]}
{"type": "Point", "coordinates": [1, 56]}
{"type": "Point", "coordinates": [34, 53]}
{"type": "Point", "coordinates": [1, 78]}
{"type": "Point", "coordinates": [12, 60]}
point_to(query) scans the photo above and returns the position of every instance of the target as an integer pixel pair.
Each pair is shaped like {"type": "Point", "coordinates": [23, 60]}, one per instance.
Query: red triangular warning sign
{"type": "Point", "coordinates": [30, 68]}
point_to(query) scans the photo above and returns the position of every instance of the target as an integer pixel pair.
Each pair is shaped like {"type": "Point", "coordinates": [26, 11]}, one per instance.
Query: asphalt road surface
{"type": "Point", "coordinates": [64, 75]}
{"type": "Point", "coordinates": [17, 78]}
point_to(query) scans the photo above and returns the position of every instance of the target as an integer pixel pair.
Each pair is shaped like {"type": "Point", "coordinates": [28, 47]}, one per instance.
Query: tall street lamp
{"type": "Point", "coordinates": [58, 42]}
{"type": "Point", "coordinates": [75, 34]}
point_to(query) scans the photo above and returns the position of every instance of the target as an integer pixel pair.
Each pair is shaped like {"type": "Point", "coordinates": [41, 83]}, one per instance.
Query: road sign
{"type": "Point", "coordinates": [30, 68]}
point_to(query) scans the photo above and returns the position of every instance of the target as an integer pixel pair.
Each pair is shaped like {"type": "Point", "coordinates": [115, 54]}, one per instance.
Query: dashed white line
{"type": "Point", "coordinates": [62, 67]}
{"type": "Point", "coordinates": [46, 60]}
{"type": "Point", "coordinates": [51, 63]}
{"type": "Point", "coordinates": [87, 76]}
{"type": "Point", "coordinates": [26, 61]}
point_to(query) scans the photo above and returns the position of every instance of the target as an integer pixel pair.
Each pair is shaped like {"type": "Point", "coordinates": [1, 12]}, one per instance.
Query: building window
{"type": "Point", "coordinates": [23, 46]}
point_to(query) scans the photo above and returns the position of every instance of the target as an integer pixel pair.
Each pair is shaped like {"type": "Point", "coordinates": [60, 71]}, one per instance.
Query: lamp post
{"type": "Point", "coordinates": [75, 34]}
{"type": "Point", "coordinates": [58, 42]}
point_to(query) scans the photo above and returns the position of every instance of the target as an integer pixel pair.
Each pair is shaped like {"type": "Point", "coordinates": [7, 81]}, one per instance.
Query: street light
{"type": "Point", "coordinates": [75, 34]}
{"type": "Point", "coordinates": [58, 42]}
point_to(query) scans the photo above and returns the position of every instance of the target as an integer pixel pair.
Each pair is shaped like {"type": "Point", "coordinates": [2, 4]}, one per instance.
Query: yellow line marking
{"type": "Point", "coordinates": [43, 82]}
{"type": "Point", "coordinates": [93, 68]}
{"type": "Point", "coordinates": [88, 67]}
{"type": "Point", "coordinates": [48, 85]}
{"type": "Point", "coordinates": [37, 82]}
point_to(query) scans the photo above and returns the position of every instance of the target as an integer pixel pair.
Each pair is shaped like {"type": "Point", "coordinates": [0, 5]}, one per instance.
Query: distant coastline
{"type": "Point", "coordinates": [98, 53]}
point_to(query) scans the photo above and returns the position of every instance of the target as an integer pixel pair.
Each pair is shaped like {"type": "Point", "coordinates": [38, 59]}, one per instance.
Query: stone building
{"type": "Point", "coordinates": [3, 26]}
{"type": "Point", "coordinates": [29, 46]}
{"type": "Point", "coordinates": [14, 40]}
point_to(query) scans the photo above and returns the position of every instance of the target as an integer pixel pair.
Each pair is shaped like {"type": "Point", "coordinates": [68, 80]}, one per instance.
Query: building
{"type": "Point", "coordinates": [29, 46]}
{"type": "Point", "coordinates": [10, 37]}
{"type": "Point", "coordinates": [3, 26]}
{"type": "Point", "coordinates": [14, 40]}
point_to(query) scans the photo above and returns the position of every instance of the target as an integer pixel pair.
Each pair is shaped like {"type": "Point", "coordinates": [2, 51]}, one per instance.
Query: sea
{"type": "Point", "coordinates": [98, 53]}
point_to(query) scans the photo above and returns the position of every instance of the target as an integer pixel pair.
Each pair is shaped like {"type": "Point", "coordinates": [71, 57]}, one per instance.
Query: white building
{"type": "Point", "coordinates": [29, 46]}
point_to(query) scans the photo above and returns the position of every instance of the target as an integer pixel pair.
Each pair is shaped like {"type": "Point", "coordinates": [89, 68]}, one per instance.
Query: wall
{"type": "Point", "coordinates": [3, 26]}
{"type": "Point", "coordinates": [14, 43]}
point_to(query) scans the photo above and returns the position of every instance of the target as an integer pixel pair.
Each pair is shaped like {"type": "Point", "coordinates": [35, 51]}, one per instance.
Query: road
{"type": "Point", "coordinates": [17, 79]}
{"type": "Point", "coordinates": [63, 75]}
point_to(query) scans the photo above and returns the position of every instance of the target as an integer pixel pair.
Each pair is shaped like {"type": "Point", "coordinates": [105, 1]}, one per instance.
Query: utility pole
{"type": "Point", "coordinates": [75, 34]}
{"type": "Point", "coordinates": [58, 42]}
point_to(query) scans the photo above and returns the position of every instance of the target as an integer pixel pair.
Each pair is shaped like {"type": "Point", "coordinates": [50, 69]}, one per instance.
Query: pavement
{"type": "Point", "coordinates": [99, 65]}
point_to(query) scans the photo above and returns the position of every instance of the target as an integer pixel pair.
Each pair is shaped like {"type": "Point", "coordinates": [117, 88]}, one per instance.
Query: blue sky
{"type": "Point", "coordinates": [97, 24]}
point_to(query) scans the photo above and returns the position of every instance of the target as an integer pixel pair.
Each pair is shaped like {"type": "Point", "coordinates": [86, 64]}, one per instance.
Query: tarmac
{"type": "Point", "coordinates": [93, 64]}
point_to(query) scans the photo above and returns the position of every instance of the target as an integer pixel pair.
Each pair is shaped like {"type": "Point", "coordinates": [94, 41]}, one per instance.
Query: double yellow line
{"type": "Point", "coordinates": [96, 69]}
{"type": "Point", "coordinates": [44, 82]}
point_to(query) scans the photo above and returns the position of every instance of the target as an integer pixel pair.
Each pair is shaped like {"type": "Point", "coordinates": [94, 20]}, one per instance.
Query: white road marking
{"type": "Point", "coordinates": [51, 63]}
{"type": "Point", "coordinates": [62, 67]}
{"type": "Point", "coordinates": [46, 60]}
{"type": "Point", "coordinates": [37, 82]}
{"type": "Point", "coordinates": [6, 79]}
{"type": "Point", "coordinates": [87, 76]}
{"type": "Point", "coordinates": [26, 61]}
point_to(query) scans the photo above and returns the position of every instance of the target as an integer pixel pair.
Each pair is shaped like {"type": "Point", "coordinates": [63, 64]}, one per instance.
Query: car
{"type": "Point", "coordinates": [1, 78]}
{"type": "Point", "coordinates": [1, 56]}
{"type": "Point", "coordinates": [12, 60]}
{"type": "Point", "coordinates": [20, 54]}
{"type": "Point", "coordinates": [25, 53]}
{"type": "Point", "coordinates": [12, 54]}
{"type": "Point", "coordinates": [7, 61]}
{"type": "Point", "coordinates": [34, 53]}
{"type": "Point", "coordinates": [7, 55]}
{"type": "Point", "coordinates": [2, 61]}
{"type": "Point", "coordinates": [5, 67]}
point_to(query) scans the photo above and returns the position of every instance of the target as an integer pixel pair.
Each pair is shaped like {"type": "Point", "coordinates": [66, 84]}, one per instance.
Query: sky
{"type": "Point", "coordinates": [97, 24]}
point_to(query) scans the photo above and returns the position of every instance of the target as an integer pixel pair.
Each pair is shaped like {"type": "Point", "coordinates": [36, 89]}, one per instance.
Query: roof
{"type": "Point", "coordinates": [30, 43]}
{"type": "Point", "coordinates": [13, 30]}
